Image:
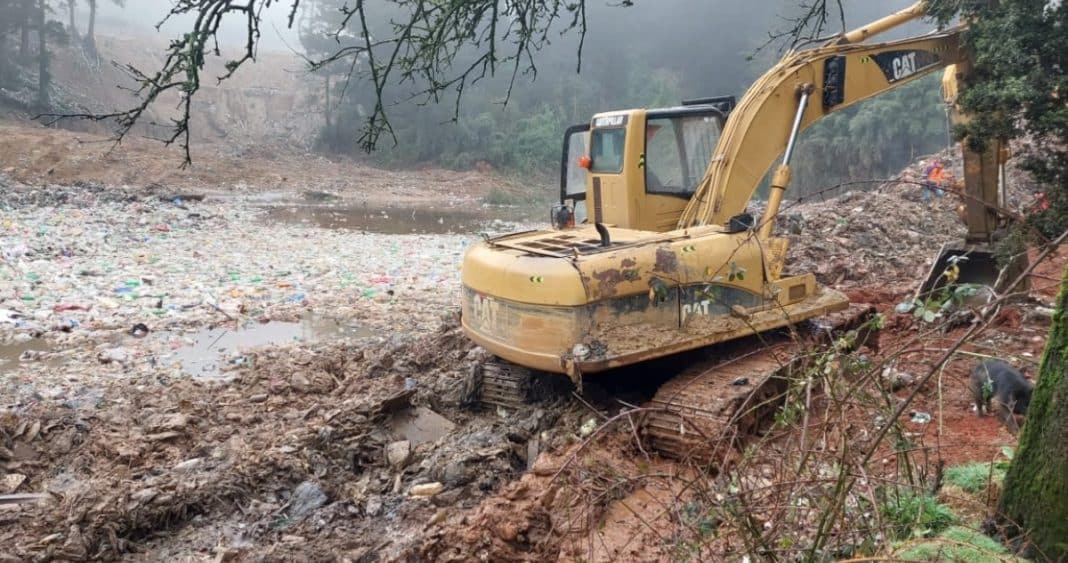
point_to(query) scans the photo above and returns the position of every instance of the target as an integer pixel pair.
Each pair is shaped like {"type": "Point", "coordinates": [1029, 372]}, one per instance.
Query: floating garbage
{"type": "Point", "coordinates": [125, 283]}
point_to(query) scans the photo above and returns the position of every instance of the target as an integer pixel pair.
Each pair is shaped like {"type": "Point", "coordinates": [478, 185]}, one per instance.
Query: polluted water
{"type": "Point", "coordinates": [209, 350]}
{"type": "Point", "coordinates": [34, 349]}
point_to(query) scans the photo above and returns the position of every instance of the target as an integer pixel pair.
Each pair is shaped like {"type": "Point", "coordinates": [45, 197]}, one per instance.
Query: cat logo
{"type": "Point", "coordinates": [901, 65]}
{"type": "Point", "coordinates": [904, 66]}
{"type": "Point", "coordinates": [698, 308]}
{"type": "Point", "coordinates": [485, 310]}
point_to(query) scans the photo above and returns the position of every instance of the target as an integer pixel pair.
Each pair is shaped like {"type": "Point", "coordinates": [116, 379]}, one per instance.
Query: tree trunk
{"type": "Point", "coordinates": [44, 81]}
{"type": "Point", "coordinates": [73, 30]}
{"type": "Point", "coordinates": [90, 33]}
{"type": "Point", "coordinates": [327, 113]}
{"type": "Point", "coordinates": [24, 40]}
{"type": "Point", "coordinates": [1034, 502]}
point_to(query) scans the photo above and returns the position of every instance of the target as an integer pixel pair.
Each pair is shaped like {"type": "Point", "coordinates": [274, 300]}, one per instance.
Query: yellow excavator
{"type": "Point", "coordinates": [652, 251]}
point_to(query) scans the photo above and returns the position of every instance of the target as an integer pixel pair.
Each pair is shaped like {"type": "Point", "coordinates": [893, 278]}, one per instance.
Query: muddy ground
{"type": "Point", "coordinates": [274, 371]}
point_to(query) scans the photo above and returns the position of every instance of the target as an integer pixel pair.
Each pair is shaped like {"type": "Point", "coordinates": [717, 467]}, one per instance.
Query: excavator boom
{"type": "Point", "coordinates": [837, 76]}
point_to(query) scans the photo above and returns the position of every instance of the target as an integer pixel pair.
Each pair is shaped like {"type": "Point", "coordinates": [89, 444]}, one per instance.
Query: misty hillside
{"type": "Point", "coordinates": [676, 49]}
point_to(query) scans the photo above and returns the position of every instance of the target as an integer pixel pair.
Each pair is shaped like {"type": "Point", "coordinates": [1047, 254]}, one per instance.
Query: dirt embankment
{"type": "Point", "coordinates": [35, 155]}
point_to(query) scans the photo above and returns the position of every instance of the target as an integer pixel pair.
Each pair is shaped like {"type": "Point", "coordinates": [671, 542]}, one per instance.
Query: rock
{"type": "Point", "coordinates": [895, 379]}
{"type": "Point", "coordinates": [544, 468]}
{"type": "Point", "coordinates": [172, 421]}
{"type": "Point", "coordinates": [11, 482]}
{"type": "Point", "coordinates": [507, 531]}
{"type": "Point", "coordinates": [189, 464]}
{"type": "Point", "coordinates": [455, 473]}
{"type": "Point", "coordinates": [373, 506]}
{"type": "Point", "coordinates": [588, 427]}
{"type": "Point", "coordinates": [398, 454]}
{"type": "Point", "coordinates": [299, 382]}
{"type": "Point", "coordinates": [118, 355]}
{"type": "Point", "coordinates": [426, 490]}
{"type": "Point", "coordinates": [451, 497]}
{"type": "Point", "coordinates": [306, 498]}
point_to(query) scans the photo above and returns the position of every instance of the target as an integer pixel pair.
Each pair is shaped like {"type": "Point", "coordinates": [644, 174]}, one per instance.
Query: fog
{"type": "Point", "coordinates": [654, 53]}
{"type": "Point", "coordinates": [140, 17]}
{"type": "Point", "coordinates": [692, 28]}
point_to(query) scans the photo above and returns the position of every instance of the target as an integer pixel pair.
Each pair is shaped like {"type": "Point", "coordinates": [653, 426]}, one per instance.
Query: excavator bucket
{"type": "Point", "coordinates": [961, 264]}
{"type": "Point", "coordinates": [974, 265]}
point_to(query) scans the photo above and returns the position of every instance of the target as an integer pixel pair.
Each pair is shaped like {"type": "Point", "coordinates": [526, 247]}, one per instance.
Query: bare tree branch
{"type": "Point", "coordinates": [419, 53]}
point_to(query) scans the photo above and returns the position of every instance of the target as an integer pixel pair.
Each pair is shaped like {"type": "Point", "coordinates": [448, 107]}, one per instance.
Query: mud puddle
{"type": "Point", "coordinates": [395, 220]}
{"type": "Point", "coordinates": [35, 349]}
{"type": "Point", "coordinates": [207, 351]}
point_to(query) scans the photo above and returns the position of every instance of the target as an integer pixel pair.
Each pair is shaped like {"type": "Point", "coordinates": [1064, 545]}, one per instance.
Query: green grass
{"type": "Point", "coordinates": [973, 477]}
{"type": "Point", "coordinates": [957, 544]}
{"type": "Point", "coordinates": [916, 515]}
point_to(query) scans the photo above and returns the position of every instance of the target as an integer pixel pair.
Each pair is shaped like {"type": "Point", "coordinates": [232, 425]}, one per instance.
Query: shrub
{"type": "Point", "coordinates": [973, 477]}
{"type": "Point", "coordinates": [915, 515]}
{"type": "Point", "coordinates": [956, 544]}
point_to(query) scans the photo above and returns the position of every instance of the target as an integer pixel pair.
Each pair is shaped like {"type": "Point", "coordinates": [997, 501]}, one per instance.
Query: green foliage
{"type": "Point", "coordinates": [911, 514]}
{"type": "Point", "coordinates": [957, 544]}
{"type": "Point", "coordinates": [946, 298]}
{"type": "Point", "coordinates": [1017, 88]}
{"type": "Point", "coordinates": [974, 477]}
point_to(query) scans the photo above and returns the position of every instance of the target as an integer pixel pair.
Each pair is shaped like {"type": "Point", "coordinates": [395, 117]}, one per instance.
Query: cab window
{"type": "Point", "coordinates": [677, 151]}
{"type": "Point", "coordinates": [606, 150]}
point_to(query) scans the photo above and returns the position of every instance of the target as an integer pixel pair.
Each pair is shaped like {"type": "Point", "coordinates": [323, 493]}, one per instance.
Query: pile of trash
{"type": "Point", "coordinates": [887, 235]}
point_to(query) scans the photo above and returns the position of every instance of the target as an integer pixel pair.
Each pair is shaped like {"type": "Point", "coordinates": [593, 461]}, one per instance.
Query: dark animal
{"type": "Point", "coordinates": [994, 382]}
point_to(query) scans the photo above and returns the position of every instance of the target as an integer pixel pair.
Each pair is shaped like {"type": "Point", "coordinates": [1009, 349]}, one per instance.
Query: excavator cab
{"type": "Point", "coordinates": [638, 169]}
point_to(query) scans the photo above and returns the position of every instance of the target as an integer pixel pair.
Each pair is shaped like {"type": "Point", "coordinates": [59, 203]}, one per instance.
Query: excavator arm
{"type": "Point", "coordinates": [802, 88]}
